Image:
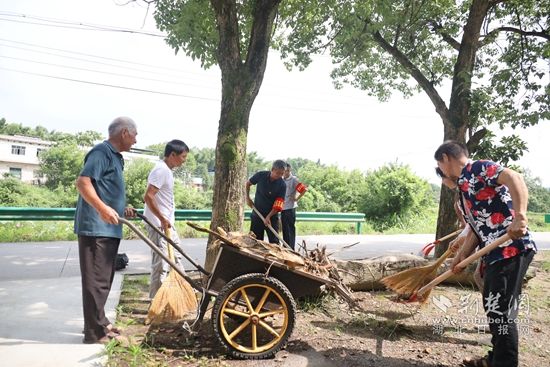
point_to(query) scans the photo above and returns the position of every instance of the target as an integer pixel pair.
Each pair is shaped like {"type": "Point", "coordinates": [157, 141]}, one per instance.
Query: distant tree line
{"type": "Point", "coordinates": [389, 195]}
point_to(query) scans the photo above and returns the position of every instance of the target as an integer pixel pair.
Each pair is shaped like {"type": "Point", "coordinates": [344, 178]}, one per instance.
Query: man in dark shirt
{"type": "Point", "coordinates": [494, 201]}
{"type": "Point", "coordinates": [101, 202]}
{"type": "Point", "coordinates": [269, 199]}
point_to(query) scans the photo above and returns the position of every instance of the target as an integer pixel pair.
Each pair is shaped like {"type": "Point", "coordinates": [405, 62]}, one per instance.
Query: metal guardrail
{"type": "Point", "coordinates": [59, 214]}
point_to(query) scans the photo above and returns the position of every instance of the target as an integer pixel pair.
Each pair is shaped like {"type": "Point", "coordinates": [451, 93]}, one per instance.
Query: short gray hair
{"type": "Point", "coordinates": [121, 123]}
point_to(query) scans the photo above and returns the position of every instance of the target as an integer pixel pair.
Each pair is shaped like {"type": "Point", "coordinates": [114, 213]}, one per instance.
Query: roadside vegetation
{"type": "Point", "coordinates": [393, 198]}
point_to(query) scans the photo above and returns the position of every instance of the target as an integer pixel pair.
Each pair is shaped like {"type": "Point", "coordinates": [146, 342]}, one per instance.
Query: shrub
{"type": "Point", "coordinates": [392, 193]}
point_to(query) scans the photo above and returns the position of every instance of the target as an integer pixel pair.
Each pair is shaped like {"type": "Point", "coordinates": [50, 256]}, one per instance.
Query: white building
{"type": "Point", "coordinates": [19, 157]}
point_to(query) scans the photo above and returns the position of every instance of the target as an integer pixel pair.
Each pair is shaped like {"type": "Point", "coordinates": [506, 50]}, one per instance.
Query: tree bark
{"type": "Point", "coordinates": [241, 83]}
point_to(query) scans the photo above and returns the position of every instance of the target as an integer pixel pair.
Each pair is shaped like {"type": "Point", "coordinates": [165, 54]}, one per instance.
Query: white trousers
{"type": "Point", "coordinates": [159, 267]}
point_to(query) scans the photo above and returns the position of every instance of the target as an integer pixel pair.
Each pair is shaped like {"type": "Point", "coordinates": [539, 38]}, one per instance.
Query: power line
{"type": "Point", "coordinates": [110, 85]}
{"type": "Point", "coordinates": [122, 61]}
{"type": "Point", "coordinates": [60, 23]}
{"type": "Point", "coordinates": [89, 61]}
{"type": "Point", "coordinates": [103, 72]}
{"type": "Point", "coordinates": [95, 56]}
{"type": "Point", "coordinates": [159, 92]}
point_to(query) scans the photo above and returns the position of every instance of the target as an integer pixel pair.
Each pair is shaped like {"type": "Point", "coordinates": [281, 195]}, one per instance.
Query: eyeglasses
{"type": "Point", "coordinates": [439, 172]}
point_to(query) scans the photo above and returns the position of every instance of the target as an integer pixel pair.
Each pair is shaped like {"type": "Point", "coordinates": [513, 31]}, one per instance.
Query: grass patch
{"type": "Point", "coordinates": [536, 222]}
{"type": "Point", "coordinates": [37, 231]}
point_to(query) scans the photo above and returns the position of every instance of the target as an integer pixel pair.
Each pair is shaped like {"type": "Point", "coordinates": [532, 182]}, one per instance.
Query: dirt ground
{"type": "Point", "coordinates": [449, 328]}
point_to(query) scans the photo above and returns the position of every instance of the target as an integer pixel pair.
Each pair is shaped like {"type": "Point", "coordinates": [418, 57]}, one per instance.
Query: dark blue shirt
{"type": "Point", "coordinates": [104, 166]}
{"type": "Point", "coordinates": [488, 208]}
{"type": "Point", "coordinates": [267, 191]}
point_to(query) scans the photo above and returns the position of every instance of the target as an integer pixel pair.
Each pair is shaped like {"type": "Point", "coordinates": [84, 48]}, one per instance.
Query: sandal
{"type": "Point", "coordinates": [476, 362]}
{"type": "Point", "coordinates": [107, 338]}
{"type": "Point", "coordinates": [113, 329]}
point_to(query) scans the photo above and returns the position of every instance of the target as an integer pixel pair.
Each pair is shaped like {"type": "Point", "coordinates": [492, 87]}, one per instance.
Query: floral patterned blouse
{"type": "Point", "coordinates": [490, 206]}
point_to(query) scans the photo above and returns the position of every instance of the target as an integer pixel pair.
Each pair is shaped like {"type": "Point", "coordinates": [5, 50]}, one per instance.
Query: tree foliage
{"type": "Point", "coordinates": [135, 177]}
{"type": "Point", "coordinates": [85, 138]}
{"type": "Point", "coordinates": [61, 164]}
{"type": "Point", "coordinates": [491, 55]}
{"type": "Point", "coordinates": [394, 193]}
{"type": "Point", "coordinates": [410, 46]}
{"type": "Point", "coordinates": [539, 196]}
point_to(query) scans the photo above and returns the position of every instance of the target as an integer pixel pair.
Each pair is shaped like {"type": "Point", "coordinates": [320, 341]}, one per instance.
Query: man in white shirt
{"type": "Point", "coordinates": [160, 208]}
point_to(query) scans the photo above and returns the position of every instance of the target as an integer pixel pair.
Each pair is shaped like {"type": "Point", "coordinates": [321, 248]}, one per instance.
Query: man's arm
{"type": "Point", "coordinates": [520, 196]}
{"type": "Point", "coordinates": [247, 193]}
{"type": "Point", "coordinates": [149, 199]}
{"type": "Point", "coordinates": [301, 190]}
{"type": "Point", "coordinates": [88, 193]}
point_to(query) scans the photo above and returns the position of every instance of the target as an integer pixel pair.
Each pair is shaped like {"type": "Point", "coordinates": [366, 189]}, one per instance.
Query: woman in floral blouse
{"type": "Point", "coordinates": [494, 200]}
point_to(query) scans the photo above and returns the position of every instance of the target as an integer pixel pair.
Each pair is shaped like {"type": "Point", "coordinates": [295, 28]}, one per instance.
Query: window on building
{"type": "Point", "coordinates": [18, 149]}
{"type": "Point", "coordinates": [15, 172]}
{"type": "Point", "coordinates": [38, 151]}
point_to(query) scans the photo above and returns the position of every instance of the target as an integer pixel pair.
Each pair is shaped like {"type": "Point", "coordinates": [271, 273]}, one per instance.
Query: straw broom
{"type": "Point", "coordinates": [407, 282]}
{"type": "Point", "coordinates": [175, 297]}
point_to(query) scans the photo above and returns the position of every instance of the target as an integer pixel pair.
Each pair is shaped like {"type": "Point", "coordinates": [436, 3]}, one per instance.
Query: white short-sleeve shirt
{"type": "Point", "coordinates": [162, 178]}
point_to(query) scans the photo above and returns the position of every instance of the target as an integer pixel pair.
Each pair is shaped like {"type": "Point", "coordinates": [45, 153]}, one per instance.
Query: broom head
{"type": "Point", "coordinates": [407, 282]}
{"type": "Point", "coordinates": [174, 299]}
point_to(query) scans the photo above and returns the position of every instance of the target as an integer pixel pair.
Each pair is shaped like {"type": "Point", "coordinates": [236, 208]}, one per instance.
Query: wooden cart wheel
{"type": "Point", "coordinates": [253, 316]}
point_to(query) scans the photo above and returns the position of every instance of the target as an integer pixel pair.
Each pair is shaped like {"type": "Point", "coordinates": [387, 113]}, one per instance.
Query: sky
{"type": "Point", "coordinates": [62, 77]}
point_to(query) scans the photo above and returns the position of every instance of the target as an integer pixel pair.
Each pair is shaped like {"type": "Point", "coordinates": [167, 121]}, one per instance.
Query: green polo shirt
{"type": "Point", "coordinates": [104, 165]}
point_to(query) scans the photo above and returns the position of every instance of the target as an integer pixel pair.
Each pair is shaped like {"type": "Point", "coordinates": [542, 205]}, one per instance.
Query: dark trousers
{"type": "Point", "coordinates": [288, 221]}
{"type": "Point", "coordinates": [258, 227]}
{"type": "Point", "coordinates": [503, 282]}
{"type": "Point", "coordinates": [97, 268]}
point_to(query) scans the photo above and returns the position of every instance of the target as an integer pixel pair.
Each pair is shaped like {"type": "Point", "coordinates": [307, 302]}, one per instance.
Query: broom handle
{"type": "Point", "coordinates": [170, 249]}
{"type": "Point", "coordinates": [271, 228]}
{"type": "Point", "coordinates": [442, 258]}
{"type": "Point", "coordinates": [436, 242]}
{"type": "Point", "coordinates": [467, 261]}
{"type": "Point", "coordinates": [428, 248]}
{"type": "Point", "coordinates": [169, 240]}
{"type": "Point", "coordinates": [155, 248]}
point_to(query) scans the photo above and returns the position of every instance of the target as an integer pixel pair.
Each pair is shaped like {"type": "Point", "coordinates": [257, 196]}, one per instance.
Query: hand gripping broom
{"type": "Point", "coordinates": [422, 294]}
{"type": "Point", "coordinates": [407, 282]}
{"type": "Point", "coordinates": [175, 297]}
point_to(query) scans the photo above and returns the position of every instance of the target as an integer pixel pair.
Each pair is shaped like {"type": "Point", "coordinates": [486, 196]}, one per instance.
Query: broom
{"type": "Point", "coordinates": [175, 297]}
{"type": "Point", "coordinates": [429, 247]}
{"type": "Point", "coordinates": [408, 282]}
{"type": "Point", "coordinates": [422, 294]}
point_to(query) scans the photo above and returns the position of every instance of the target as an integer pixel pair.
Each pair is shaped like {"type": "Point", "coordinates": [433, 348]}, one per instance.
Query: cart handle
{"type": "Point", "coordinates": [174, 245]}
{"type": "Point", "coordinates": [161, 254]}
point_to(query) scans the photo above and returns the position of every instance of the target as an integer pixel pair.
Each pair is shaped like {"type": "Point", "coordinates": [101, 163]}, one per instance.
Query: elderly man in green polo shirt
{"type": "Point", "coordinates": [101, 201]}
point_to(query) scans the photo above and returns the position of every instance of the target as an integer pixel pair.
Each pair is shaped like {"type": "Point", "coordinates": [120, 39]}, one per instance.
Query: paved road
{"type": "Point", "coordinates": [41, 307]}
{"type": "Point", "coordinates": [41, 260]}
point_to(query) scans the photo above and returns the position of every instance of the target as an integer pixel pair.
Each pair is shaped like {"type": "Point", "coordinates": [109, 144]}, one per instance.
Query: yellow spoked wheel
{"type": "Point", "coordinates": [253, 316]}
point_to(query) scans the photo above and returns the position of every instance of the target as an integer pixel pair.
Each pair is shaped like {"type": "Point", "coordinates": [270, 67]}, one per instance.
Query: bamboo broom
{"type": "Point", "coordinates": [408, 282]}
{"type": "Point", "coordinates": [422, 294]}
{"type": "Point", "coordinates": [175, 297]}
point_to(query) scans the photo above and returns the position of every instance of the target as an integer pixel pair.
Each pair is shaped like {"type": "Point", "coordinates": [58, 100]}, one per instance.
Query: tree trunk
{"type": "Point", "coordinates": [241, 83]}
{"type": "Point", "coordinates": [456, 127]}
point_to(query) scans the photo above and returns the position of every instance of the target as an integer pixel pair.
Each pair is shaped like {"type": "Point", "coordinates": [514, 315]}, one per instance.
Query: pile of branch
{"type": "Point", "coordinates": [315, 262]}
